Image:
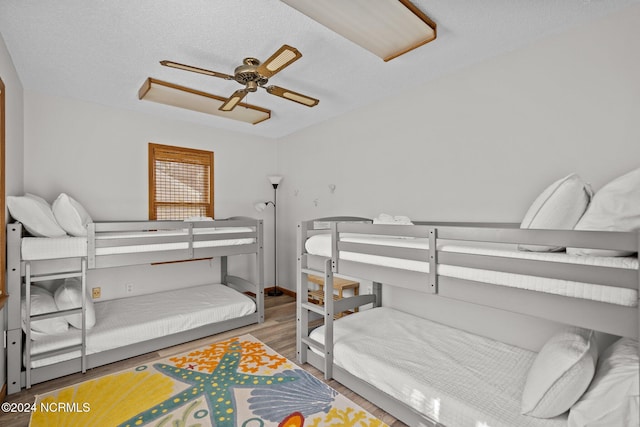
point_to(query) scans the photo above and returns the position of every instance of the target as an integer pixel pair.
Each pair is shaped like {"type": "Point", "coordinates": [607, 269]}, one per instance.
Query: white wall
{"type": "Point", "coordinates": [99, 156]}
{"type": "Point", "coordinates": [477, 145]}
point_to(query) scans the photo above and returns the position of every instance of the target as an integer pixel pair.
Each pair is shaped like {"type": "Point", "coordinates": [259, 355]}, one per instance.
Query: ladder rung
{"type": "Point", "coordinates": [40, 278]}
{"type": "Point", "coordinates": [56, 352]}
{"type": "Point", "coordinates": [313, 272]}
{"type": "Point", "coordinates": [53, 314]}
{"type": "Point", "coordinates": [314, 307]}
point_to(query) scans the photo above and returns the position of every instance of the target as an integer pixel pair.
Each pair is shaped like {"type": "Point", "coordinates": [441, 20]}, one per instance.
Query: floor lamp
{"type": "Point", "coordinates": [274, 180]}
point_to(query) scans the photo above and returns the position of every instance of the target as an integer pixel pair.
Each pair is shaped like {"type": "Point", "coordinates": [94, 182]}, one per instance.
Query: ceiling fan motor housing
{"type": "Point", "coordinates": [247, 74]}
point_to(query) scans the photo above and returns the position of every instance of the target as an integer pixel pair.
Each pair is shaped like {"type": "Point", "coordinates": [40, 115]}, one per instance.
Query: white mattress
{"type": "Point", "coordinates": [451, 376]}
{"type": "Point", "coordinates": [40, 248]}
{"type": "Point", "coordinates": [131, 320]}
{"type": "Point", "coordinates": [321, 245]}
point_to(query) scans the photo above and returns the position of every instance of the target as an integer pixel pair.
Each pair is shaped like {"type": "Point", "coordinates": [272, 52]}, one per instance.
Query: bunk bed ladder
{"type": "Point", "coordinates": [326, 311]}
{"type": "Point", "coordinates": [34, 278]}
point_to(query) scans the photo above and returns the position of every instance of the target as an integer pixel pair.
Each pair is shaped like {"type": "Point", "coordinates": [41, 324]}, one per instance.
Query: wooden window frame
{"type": "Point", "coordinates": [3, 219]}
{"type": "Point", "coordinates": [182, 155]}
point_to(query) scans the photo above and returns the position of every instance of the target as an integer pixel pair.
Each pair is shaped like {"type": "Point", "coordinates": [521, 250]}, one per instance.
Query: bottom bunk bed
{"type": "Point", "coordinates": [430, 374]}
{"type": "Point", "coordinates": [451, 376]}
{"type": "Point", "coordinates": [163, 317]}
{"type": "Point", "coordinates": [427, 373]}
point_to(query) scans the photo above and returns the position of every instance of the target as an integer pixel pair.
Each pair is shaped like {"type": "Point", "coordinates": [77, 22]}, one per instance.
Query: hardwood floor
{"type": "Point", "coordinates": [278, 332]}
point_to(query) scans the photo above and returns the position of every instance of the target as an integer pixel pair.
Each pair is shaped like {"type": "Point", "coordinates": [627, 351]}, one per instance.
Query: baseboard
{"type": "Point", "coordinates": [283, 290]}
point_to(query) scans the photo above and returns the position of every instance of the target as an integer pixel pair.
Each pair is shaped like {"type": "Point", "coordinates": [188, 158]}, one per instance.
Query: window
{"type": "Point", "coordinates": [180, 182]}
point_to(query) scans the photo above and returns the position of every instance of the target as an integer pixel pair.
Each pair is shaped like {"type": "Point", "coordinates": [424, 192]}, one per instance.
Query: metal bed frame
{"type": "Point", "coordinates": [599, 316]}
{"type": "Point", "coordinates": [19, 271]}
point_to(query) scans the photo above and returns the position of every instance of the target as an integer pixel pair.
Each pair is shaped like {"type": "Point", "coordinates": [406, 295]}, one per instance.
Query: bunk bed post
{"type": "Point", "coordinates": [334, 247]}
{"type": "Point", "coordinates": [91, 245]}
{"type": "Point", "coordinates": [433, 260]}
{"type": "Point", "coordinates": [190, 231]}
{"type": "Point", "coordinates": [83, 349]}
{"type": "Point", "coordinates": [14, 323]}
{"type": "Point", "coordinates": [27, 322]}
{"type": "Point", "coordinates": [328, 320]}
{"type": "Point", "coordinates": [302, 288]}
{"type": "Point", "coordinates": [260, 266]}
{"type": "Point", "coordinates": [223, 269]}
{"type": "Point", "coordinates": [377, 291]}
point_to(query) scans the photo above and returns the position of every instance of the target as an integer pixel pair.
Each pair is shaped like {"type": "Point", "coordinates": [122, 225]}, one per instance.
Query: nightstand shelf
{"type": "Point", "coordinates": [339, 284]}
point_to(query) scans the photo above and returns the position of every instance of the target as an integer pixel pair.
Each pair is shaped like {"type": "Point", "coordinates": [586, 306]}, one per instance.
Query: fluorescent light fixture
{"type": "Point", "coordinates": [387, 28]}
{"type": "Point", "coordinates": [191, 99]}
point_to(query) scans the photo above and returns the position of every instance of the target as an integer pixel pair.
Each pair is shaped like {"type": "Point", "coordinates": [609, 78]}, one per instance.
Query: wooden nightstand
{"type": "Point", "coordinates": [339, 284]}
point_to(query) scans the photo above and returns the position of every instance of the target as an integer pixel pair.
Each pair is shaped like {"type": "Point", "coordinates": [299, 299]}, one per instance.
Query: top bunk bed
{"type": "Point", "coordinates": [481, 263]}
{"type": "Point", "coordinates": [40, 264]}
{"type": "Point", "coordinates": [66, 231]}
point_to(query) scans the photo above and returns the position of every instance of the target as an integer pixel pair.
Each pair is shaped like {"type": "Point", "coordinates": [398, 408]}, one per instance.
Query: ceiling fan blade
{"type": "Point", "coordinates": [292, 96]}
{"type": "Point", "coordinates": [233, 100]}
{"type": "Point", "coordinates": [195, 69]}
{"type": "Point", "coordinates": [279, 60]}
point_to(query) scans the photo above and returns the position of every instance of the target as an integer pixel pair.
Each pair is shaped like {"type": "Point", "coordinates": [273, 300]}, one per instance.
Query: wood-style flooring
{"type": "Point", "coordinates": [278, 332]}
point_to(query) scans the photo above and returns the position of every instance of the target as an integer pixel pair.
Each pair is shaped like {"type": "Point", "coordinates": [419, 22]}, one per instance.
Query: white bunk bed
{"type": "Point", "coordinates": [129, 326]}
{"type": "Point", "coordinates": [396, 360]}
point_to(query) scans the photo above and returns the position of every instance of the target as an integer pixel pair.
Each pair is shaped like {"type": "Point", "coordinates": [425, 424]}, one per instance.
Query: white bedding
{"type": "Point", "coordinates": [321, 245]}
{"type": "Point", "coordinates": [131, 320]}
{"type": "Point", "coordinates": [40, 248]}
{"type": "Point", "coordinates": [451, 376]}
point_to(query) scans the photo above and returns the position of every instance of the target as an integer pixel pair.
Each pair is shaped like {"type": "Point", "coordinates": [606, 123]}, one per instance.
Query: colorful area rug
{"type": "Point", "coordinates": [235, 383]}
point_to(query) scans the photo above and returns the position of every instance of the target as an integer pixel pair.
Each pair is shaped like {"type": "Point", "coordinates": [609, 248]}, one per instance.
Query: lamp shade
{"type": "Point", "coordinates": [274, 179]}
{"type": "Point", "coordinates": [260, 206]}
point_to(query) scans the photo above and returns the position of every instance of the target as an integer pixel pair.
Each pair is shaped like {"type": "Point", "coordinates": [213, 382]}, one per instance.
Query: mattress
{"type": "Point", "coordinates": [131, 320]}
{"type": "Point", "coordinates": [451, 376]}
{"type": "Point", "coordinates": [321, 245]}
{"type": "Point", "coordinates": [40, 248]}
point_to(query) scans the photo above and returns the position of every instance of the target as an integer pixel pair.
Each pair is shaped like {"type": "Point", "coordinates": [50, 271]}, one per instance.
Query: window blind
{"type": "Point", "coordinates": [180, 182]}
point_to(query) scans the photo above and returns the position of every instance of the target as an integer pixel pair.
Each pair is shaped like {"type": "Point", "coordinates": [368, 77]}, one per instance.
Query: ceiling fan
{"type": "Point", "coordinates": [253, 74]}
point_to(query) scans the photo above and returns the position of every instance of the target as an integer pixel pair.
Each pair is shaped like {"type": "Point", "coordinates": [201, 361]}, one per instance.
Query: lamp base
{"type": "Point", "coordinates": [275, 292]}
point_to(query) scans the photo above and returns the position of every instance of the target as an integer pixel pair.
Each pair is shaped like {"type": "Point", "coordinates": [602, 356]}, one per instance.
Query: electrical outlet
{"type": "Point", "coordinates": [129, 287]}
{"type": "Point", "coordinates": [96, 293]}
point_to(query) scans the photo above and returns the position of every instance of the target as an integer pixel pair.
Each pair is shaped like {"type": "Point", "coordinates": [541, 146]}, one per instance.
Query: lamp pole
{"type": "Point", "coordinates": [275, 180]}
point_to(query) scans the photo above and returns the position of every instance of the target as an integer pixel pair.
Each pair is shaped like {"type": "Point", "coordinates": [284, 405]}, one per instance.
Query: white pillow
{"type": "Point", "coordinates": [558, 207]}
{"type": "Point", "coordinates": [71, 216]}
{"type": "Point", "coordinates": [42, 302]}
{"type": "Point", "coordinates": [68, 296]}
{"type": "Point", "coordinates": [560, 373]}
{"type": "Point", "coordinates": [35, 215]}
{"type": "Point", "coordinates": [615, 207]}
{"type": "Point", "coordinates": [613, 398]}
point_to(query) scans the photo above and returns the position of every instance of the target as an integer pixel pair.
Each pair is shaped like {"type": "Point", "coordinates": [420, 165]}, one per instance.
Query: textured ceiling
{"type": "Point", "coordinates": [102, 50]}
